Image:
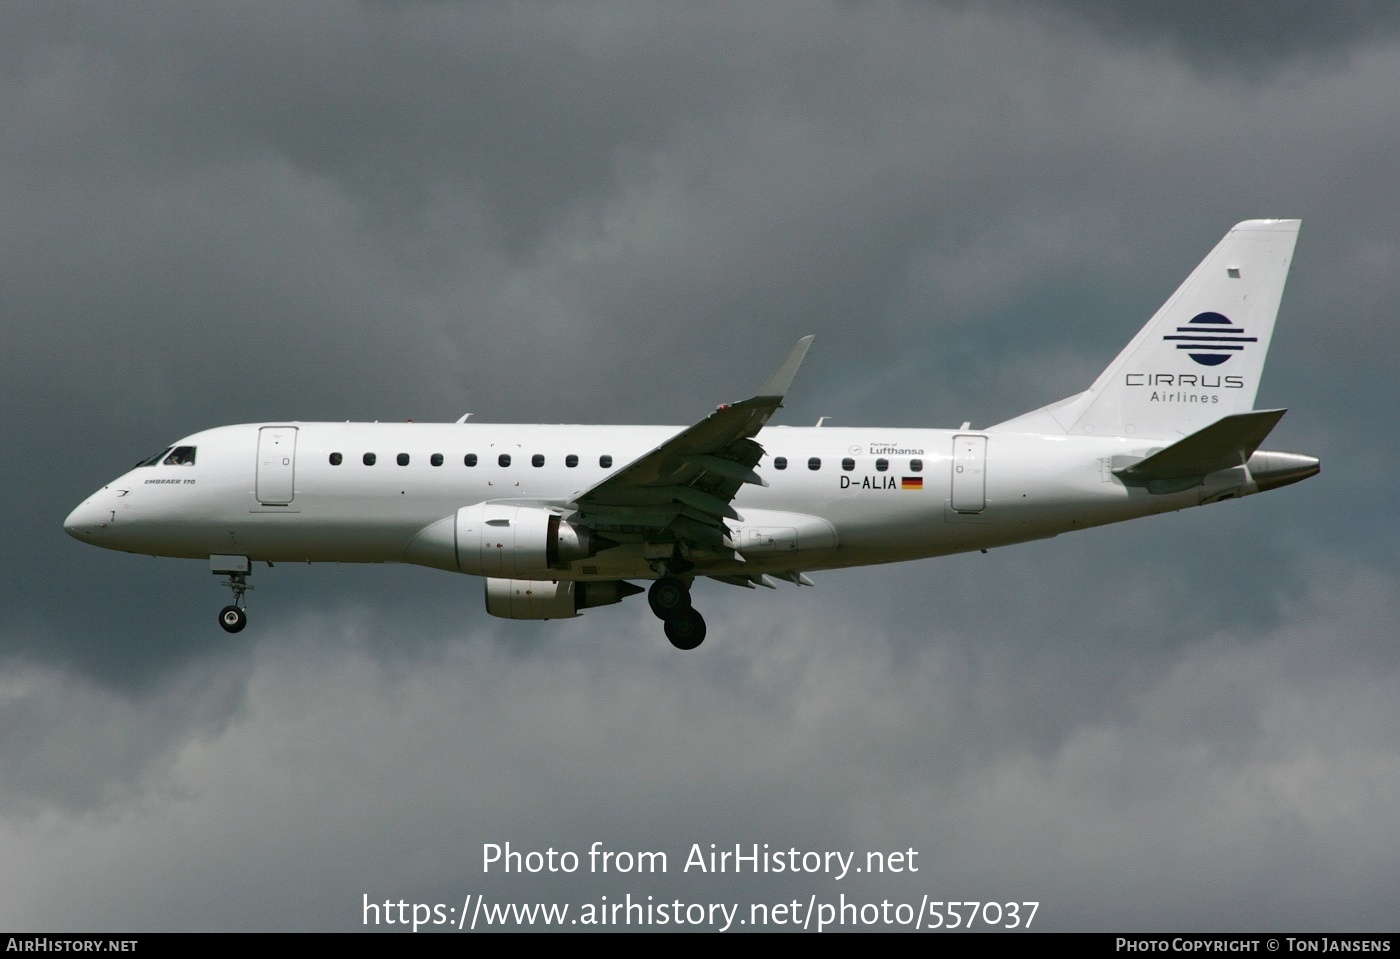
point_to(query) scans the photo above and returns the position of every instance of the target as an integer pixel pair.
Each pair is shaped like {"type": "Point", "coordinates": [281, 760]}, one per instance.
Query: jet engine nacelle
{"type": "Point", "coordinates": [549, 599]}
{"type": "Point", "coordinates": [505, 540]}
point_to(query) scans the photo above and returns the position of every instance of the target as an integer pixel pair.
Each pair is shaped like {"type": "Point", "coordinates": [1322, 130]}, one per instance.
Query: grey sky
{"type": "Point", "coordinates": [628, 213]}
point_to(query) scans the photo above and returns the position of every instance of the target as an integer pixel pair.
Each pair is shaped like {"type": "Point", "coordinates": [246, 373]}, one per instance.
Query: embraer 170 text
{"type": "Point", "coordinates": [558, 519]}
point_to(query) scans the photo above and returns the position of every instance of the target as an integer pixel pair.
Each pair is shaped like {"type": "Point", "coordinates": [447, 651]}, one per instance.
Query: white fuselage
{"type": "Point", "coordinates": [557, 519]}
{"type": "Point", "coordinates": [887, 495]}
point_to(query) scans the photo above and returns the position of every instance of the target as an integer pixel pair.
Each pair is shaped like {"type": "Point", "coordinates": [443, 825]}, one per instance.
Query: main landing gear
{"type": "Point", "coordinates": [669, 597]}
{"type": "Point", "coordinates": [234, 618]}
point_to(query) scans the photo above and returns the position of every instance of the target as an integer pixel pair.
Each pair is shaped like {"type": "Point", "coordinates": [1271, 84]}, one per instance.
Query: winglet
{"type": "Point", "coordinates": [778, 383]}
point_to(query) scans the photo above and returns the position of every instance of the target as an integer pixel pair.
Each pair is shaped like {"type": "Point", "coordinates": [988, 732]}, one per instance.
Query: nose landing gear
{"type": "Point", "coordinates": [233, 617]}
{"type": "Point", "coordinates": [669, 597]}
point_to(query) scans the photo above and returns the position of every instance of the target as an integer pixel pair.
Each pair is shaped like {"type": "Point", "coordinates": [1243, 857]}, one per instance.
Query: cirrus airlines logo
{"type": "Point", "coordinates": [1210, 338]}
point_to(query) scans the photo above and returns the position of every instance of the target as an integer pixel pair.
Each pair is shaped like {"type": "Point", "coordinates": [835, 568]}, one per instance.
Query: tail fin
{"type": "Point", "coordinates": [1199, 358]}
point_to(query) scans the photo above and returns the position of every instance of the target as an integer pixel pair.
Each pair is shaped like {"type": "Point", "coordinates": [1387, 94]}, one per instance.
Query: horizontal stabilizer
{"type": "Point", "coordinates": [1226, 443]}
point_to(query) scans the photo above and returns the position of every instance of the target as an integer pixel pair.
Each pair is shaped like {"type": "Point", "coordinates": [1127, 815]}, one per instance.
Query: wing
{"type": "Point", "coordinates": [681, 492]}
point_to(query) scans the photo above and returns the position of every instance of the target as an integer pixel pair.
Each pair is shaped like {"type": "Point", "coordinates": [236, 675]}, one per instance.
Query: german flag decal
{"type": "Point", "coordinates": [911, 482]}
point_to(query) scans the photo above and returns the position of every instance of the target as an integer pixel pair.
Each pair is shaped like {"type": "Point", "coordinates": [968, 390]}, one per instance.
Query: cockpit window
{"type": "Point", "coordinates": [155, 459]}
{"type": "Point", "coordinates": [181, 456]}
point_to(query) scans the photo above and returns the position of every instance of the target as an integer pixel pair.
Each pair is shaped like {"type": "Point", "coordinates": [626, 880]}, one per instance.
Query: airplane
{"type": "Point", "coordinates": [561, 519]}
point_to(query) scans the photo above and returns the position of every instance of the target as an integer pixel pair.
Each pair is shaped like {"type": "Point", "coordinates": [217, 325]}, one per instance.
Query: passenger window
{"type": "Point", "coordinates": [369, 459]}
{"type": "Point", "coordinates": [436, 459]}
{"type": "Point", "coordinates": [537, 460]}
{"type": "Point", "coordinates": [470, 459]}
{"type": "Point", "coordinates": [605, 461]}
{"type": "Point", "coordinates": [780, 463]}
{"type": "Point", "coordinates": [815, 463]}
{"type": "Point", "coordinates": [503, 459]}
{"type": "Point", "coordinates": [337, 459]}
{"type": "Point", "coordinates": [403, 459]}
{"type": "Point", "coordinates": [180, 456]}
{"type": "Point", "coordinates": [882, 464]}
{"type": "Point", "coordinates": [848, 464]}
{"type": "Point", "coordinates": [571, 461]}
{"type": "Point", "coordinates": [916, 466]}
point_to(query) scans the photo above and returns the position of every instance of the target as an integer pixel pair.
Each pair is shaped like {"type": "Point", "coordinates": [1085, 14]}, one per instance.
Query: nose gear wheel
{"type": "Point", "coordinates": [233, 618]}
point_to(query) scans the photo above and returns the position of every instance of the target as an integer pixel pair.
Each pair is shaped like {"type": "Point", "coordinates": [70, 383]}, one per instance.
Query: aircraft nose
{"type": "Point", "coordinates": [87, 520]}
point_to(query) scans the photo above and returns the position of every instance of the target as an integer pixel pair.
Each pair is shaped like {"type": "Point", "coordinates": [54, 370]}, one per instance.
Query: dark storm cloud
{"type": "Point", "coordinates": [1251, 37]}
{"type": "Point", "coordinates": [399, 104]}
{"type": "Point", "coordinates": [79, 745]}
{"type": "Point", "coordinates": [608, 212]}
{"type": "Point", "coordinates": [1222, 769]}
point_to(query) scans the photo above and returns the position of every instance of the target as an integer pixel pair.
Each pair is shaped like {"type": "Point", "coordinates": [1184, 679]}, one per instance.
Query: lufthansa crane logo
{"type": "Point", "coordinates": [1210, 338]}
